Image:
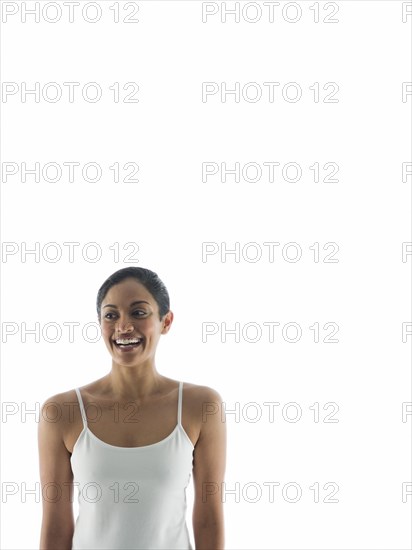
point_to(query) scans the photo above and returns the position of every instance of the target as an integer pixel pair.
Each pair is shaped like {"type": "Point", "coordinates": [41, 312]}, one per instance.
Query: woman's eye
{"type": "Point", "coordinates": [108, 315]}
{"type": "Point", "coordinates": [138, 313]}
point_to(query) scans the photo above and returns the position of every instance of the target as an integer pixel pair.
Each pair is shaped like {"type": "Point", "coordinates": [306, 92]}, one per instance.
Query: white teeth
{"type": "Point", "coordinates": [126, 341]}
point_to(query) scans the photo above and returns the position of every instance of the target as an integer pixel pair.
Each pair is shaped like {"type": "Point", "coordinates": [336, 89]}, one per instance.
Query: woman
{"type": "Point", "coordinates": [131, 440]}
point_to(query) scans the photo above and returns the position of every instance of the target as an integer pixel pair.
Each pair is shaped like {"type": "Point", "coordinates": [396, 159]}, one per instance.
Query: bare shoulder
{"type": "Point", "coordinates": [61, 400]}
{"type": "Point", "coordinates": [196, 391]}
{"type": "Point", "coordinates": [60, 397]}
{"type": "Point", "coordinates": [202, 400]}
{"type": "Point", "coordinates": [67, 401]}
{"type": "Point", "coordinates": [61, 409]}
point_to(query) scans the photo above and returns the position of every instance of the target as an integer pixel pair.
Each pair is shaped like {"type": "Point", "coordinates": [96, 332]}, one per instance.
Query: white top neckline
{"type": "Point", "coordinates": [87, 430]}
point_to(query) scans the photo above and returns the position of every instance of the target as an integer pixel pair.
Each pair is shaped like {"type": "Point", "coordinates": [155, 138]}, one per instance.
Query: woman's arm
{"type": "Point", "coordinates": [208, 474]}
{"type": "Point", "coordinates": [56, 478]}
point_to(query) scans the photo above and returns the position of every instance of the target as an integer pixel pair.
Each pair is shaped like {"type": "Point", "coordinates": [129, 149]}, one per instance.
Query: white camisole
{"type": "Point", "coordinates": [132, 497]}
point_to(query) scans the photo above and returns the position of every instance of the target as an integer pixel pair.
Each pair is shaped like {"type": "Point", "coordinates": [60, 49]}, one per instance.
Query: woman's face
{"type": "Point", "coordinates": [130, 323]}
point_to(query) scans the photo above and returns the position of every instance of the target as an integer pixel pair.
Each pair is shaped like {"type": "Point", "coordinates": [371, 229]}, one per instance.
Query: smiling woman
{"type": "Point", "coordinates": [132, 467]}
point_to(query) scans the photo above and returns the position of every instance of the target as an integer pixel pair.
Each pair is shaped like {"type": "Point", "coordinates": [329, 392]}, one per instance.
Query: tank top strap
{"type": "Point", "coordinates": [179, 406]}
{"type": "Point", "coordinates": [82, 411]}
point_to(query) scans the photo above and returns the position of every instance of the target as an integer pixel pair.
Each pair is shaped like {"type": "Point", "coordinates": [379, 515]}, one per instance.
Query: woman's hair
{"type": "Point", "coordinates": [149, 279]}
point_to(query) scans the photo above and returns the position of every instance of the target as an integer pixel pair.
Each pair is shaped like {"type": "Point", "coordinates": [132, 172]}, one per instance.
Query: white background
{"type": "Point", "coordinates": [170, 212]}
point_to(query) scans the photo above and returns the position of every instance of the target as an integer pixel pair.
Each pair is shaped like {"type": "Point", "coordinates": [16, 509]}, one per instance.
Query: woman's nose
{"type": "Point", "coordinates": [124, 326]}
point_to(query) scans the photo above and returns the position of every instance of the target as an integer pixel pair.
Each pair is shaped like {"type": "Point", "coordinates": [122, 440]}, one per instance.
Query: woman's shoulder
{"type": "Point", "coordinates": [201, 391]}
{"type": "Point", "coordinates": [70, 396]}
{"type": "Point", "coordinates": [61, 399]}
{"type": "Point", "coordinates": [58, 413]}
{"type": "Point", "coordinates": [202, 400]}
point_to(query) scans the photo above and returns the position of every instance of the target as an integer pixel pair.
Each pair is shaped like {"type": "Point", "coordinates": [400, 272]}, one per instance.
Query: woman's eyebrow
{"type": "Point", "coordinates": [131, 305]}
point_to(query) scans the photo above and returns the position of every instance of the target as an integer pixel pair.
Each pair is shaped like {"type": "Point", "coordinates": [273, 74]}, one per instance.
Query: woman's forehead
{"type": "Point", "coordinates": [128, 289]}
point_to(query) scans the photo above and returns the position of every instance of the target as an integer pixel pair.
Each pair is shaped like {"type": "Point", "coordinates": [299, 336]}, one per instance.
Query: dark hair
{"type": "Point", "coordinates": [149, 279]}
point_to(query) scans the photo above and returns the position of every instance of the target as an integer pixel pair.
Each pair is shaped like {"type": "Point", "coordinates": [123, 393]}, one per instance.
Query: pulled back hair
{"type": "Point", "coordinates": [149, 279]}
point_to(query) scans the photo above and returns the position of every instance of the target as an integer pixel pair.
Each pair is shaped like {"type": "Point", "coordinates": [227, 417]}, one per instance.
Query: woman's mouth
{"type": "Point", "coordinates": [127, 344]}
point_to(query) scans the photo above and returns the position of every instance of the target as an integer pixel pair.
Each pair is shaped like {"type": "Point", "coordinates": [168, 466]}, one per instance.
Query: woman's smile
{"type": "Point", "coordinates": [128, 344]}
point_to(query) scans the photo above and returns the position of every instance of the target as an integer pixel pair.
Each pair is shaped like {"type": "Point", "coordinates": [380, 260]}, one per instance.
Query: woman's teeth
{"type": "Point", "coordinates": [128, 342]}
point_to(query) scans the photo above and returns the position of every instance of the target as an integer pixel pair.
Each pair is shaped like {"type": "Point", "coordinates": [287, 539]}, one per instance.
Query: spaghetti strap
{"type": "Point", "coordinates": [82, 411]}
{"type": "Point", "coordinates": [179, 406]}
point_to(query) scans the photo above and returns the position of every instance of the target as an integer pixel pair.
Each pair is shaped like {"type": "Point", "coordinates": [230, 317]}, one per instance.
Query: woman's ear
{"type": "Point", "coordinates": [167, 321]}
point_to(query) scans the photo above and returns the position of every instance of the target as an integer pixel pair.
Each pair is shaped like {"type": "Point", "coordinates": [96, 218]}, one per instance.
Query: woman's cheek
{"type": "Point", "coordinates": [105, 331]}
